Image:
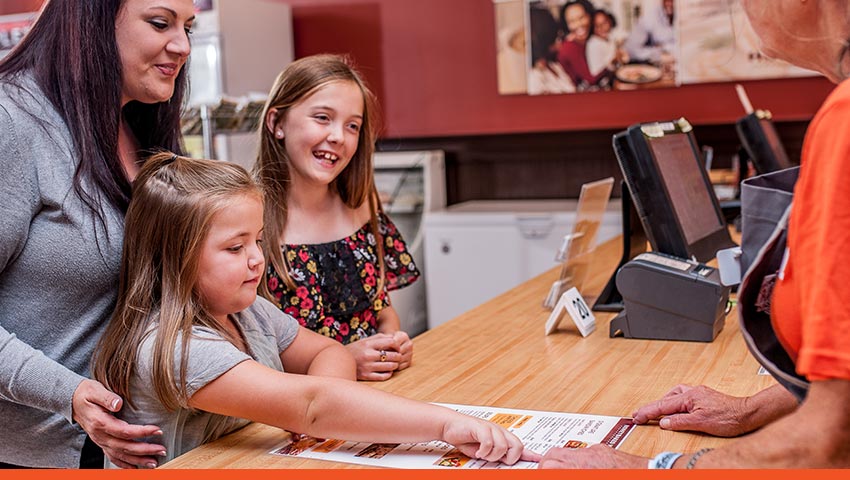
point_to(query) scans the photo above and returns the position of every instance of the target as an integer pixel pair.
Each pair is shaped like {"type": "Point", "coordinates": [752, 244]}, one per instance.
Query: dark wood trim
{"type": "Point", "coordinates": [554, 164]}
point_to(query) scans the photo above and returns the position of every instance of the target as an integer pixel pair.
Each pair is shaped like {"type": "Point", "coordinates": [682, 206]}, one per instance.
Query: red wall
{"type": "Point", "coordinates": [18, 6]}
{"type": "Point", "coordinates": [435, 72]}
{"type": "Point", "coordinates": [433, 65]}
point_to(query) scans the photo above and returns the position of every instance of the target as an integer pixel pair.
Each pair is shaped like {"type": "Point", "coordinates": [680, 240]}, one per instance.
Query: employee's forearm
{"type": "Point", "coordinates": [768, 406]}
{"type": "Point", "coordinates": [815, 435]}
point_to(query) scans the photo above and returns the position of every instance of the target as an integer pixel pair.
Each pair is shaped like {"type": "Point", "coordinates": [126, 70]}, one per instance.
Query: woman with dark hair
{"type": "Point", "coordinates": [93, 88]}
{"type": "Point", "coordinates": [577, 24]}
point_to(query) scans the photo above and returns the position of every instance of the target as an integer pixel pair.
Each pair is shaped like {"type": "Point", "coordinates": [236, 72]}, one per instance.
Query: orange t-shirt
{"type": "Point", "coordinates": [811, 300]}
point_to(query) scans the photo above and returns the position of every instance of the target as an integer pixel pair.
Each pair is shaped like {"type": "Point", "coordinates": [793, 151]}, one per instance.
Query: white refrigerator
{"type": "Point", "coordinates": [477, 250]}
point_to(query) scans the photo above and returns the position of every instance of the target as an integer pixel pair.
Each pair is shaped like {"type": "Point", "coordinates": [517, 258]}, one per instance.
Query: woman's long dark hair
{"type": "Point", "coordinates": [544, 32]}
{"type": "Point", "coordinates": [72, 54]}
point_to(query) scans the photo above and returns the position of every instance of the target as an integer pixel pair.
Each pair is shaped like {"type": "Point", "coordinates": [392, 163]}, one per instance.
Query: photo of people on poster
{"type": "Point", "coordinates": [574, 46]}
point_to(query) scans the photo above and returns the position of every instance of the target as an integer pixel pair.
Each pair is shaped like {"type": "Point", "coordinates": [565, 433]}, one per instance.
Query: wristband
{"type": "Point", "coordinates": [695, 457]}
{"type": "Point", "coordinates": [663, 460]}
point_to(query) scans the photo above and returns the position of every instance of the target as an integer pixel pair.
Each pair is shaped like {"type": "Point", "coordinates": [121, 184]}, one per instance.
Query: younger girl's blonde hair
{"type": "Point", "coordinates": [174, 201]}
{"type": "Point", "coordinates": [355, 184]}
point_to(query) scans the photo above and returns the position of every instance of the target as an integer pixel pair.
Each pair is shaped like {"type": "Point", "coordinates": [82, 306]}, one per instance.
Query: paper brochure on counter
{"type": "Point", "coordinates": [539, 431]}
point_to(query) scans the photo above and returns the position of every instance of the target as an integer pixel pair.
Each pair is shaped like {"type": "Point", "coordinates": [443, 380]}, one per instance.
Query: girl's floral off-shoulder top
{"type": "Point", "coordinates": [336, 293]}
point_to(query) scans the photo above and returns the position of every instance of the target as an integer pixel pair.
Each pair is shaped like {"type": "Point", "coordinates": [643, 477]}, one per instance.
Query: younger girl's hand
{"type": "Point", "coordinates": [478, 438]}
{"type": "Point", "coordinates": [376, 356]}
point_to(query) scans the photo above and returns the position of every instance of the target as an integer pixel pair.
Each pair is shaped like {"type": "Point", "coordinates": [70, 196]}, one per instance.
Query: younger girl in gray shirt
{"type": "Point", "coordinates": [190, 348]}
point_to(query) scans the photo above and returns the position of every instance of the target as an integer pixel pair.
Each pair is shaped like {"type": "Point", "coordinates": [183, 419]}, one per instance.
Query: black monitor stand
{"type": "Point", "coordinates": [634, 243]}
{"type": "Point", "coordinates": [732, 208]}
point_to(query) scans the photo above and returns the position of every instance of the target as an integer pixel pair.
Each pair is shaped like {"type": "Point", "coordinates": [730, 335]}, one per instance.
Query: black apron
{"type": "Point", "coordinates": [765, 210]}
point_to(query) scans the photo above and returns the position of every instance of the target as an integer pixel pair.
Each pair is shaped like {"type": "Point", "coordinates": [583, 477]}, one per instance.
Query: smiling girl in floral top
{"type": "Point", "coordinates": [337, 254]}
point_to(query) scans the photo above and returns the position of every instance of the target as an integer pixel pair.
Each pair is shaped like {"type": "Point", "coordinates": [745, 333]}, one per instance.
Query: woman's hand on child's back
{"type": "Point", "coordinates": [478, 438]}
{"type": "Point", "coordinates": [377, 356]}
{"type": "Point", "coordinates": [92, 404]}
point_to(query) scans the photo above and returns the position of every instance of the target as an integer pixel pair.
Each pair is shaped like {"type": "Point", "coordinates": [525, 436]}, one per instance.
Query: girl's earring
{"type": "Point", "coordinates": [279, 134]}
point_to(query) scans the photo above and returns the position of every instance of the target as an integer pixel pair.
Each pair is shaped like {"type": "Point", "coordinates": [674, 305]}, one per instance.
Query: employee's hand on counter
{"type": "Point", "coordinates": [377, 356]}
{"type": "Point", "coordinates": [703, 409]}
{"type": "Point", "coordinates": [595, 456]}
{"type": "Point", "coordinates": [93, 406]}
{"type": "Point", "coordinates": [698, 409]}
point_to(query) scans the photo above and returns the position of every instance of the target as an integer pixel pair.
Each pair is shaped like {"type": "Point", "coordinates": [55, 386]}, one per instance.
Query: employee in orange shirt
{"type": "Point", "coordinates": [806, 423]}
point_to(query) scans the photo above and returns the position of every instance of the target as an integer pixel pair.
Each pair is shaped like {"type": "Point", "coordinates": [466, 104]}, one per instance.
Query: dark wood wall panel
{"type": "Point", "coordinates": [554, 164]}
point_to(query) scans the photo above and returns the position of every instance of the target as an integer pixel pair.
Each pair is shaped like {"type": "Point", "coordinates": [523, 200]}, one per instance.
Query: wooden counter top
{"type": "Point", "coordinates": [497, 355]}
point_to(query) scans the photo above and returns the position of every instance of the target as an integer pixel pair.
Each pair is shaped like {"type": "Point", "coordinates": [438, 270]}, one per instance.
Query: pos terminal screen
{"type": "Point", "coordinates": [682, 178]}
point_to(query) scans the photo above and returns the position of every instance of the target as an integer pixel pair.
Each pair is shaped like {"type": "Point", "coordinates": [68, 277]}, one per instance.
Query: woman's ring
{"type": "Point", "coordinates": [383, 355]}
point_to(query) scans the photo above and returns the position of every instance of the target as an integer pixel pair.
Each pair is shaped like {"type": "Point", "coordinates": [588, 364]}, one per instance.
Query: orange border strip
{"type": "Point", "coordinates": [382, 474]}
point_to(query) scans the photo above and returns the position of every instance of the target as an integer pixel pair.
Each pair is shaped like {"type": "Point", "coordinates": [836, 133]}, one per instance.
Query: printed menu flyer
{"type": "Point", "coordinates": [539, 431]}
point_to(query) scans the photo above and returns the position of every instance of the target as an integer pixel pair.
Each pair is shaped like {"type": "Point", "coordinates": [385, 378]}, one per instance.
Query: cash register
{"type": "Point", "coordinates": [670, 293]}
{"type": "Point", "coordinates": [670, 298]}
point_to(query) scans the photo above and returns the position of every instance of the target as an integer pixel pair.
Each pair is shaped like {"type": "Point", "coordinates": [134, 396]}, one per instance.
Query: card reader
{"type": "Point", "coordinates": [670, 298]}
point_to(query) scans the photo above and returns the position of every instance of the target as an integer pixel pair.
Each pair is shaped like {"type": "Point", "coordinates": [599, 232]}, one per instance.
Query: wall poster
{"type": "Point", "coordinates": [567, 46]}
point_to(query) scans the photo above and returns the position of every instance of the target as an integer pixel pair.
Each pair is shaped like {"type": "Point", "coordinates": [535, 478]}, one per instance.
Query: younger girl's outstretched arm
{"type": "Point", "coordinates": [322, 407]}
{"type": "Point", "coordinates": [314, 354]}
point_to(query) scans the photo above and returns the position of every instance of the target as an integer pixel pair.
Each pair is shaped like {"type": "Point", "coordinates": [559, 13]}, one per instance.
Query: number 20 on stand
{"type": "Point", "coordinates": [572, 303]}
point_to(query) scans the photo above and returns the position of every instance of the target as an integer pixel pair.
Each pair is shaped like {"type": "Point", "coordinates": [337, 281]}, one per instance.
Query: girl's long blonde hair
{"type": "Point", "coordinates": [354, 185]}
{"type": "Point", "coordinates": [174, 201]}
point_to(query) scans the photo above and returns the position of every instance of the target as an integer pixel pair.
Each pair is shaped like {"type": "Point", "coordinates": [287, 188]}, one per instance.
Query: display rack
{"type": "Point", "coordinates": [228, 116]}
{"type": "Point", "coordinates": [230, 63]}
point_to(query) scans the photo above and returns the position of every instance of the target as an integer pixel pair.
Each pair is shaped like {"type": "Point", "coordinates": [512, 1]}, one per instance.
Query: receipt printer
{"type": "Point", "coordinates": [670, 298]}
